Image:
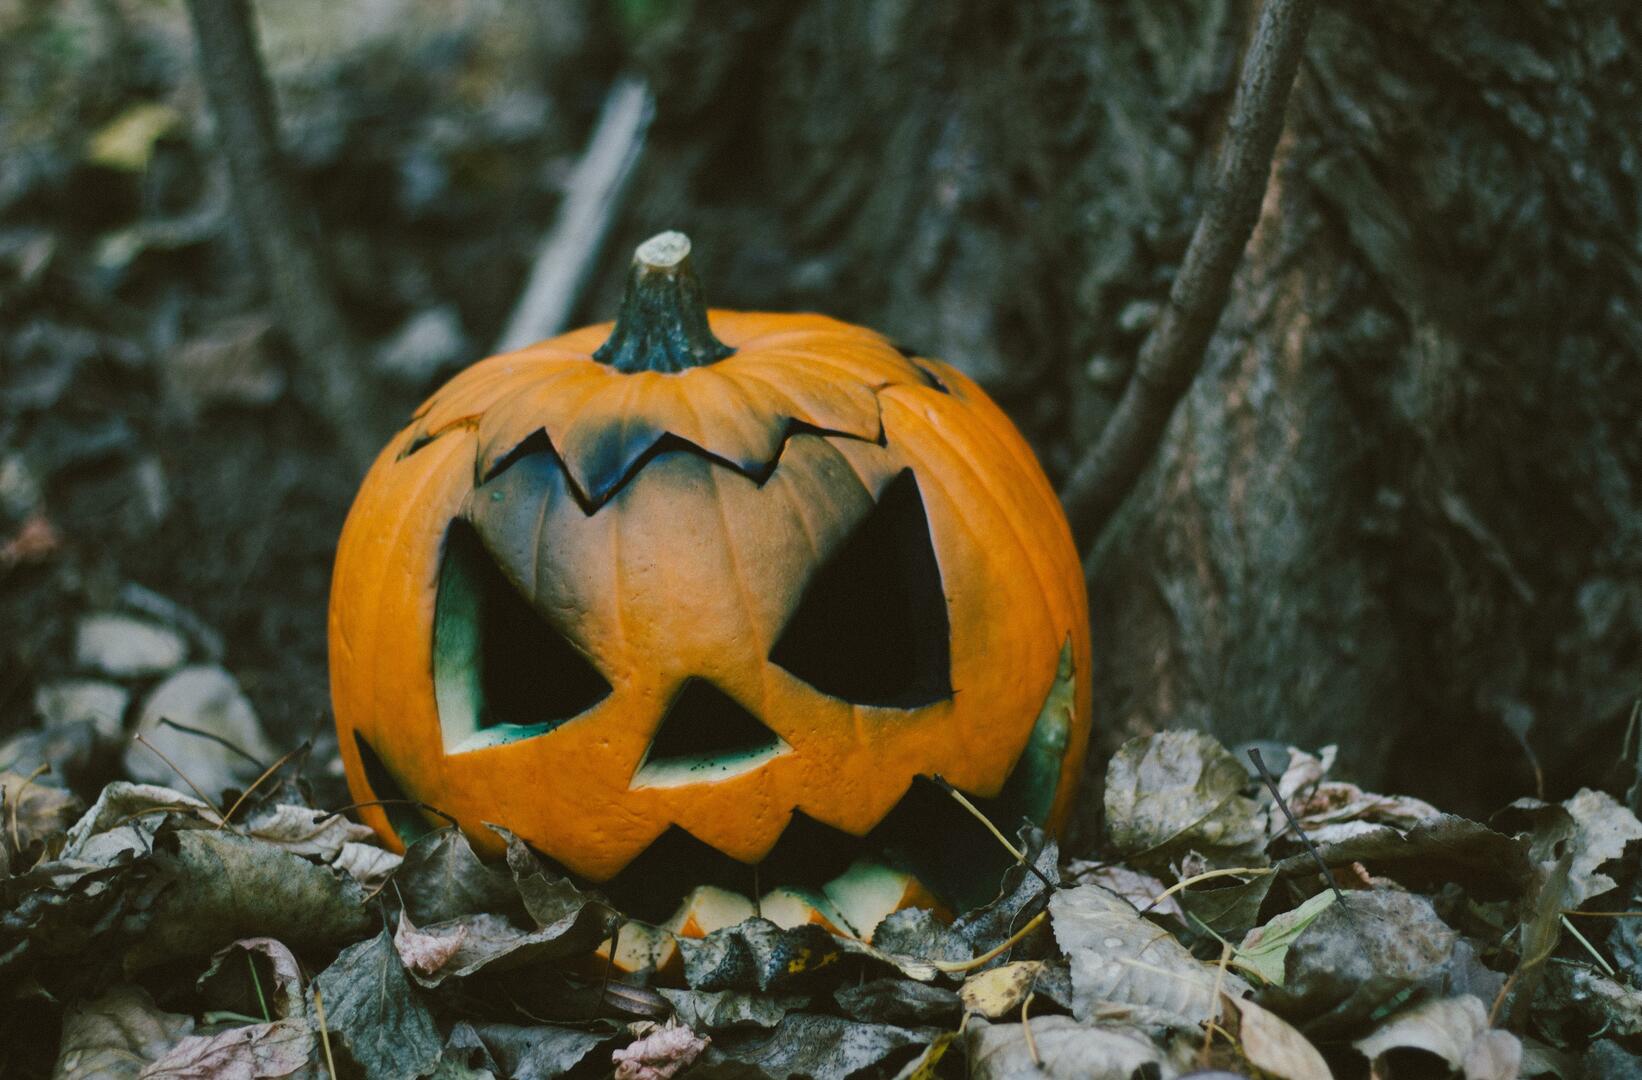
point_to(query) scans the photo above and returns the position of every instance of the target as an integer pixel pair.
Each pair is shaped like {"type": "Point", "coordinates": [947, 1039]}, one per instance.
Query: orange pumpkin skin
{"type": "Point", "coordinates": [689, 566]}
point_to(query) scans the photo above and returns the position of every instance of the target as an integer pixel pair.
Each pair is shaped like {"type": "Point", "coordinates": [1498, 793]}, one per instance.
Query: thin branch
{"type": "Point", "coordinates": [592, 197]}
{"type": "Point", "coordinates": [1174, 350]}
{"type": "Point", "coordinates": [1294, 822]}
{"type": "Point", "coordinates": [274, 219]}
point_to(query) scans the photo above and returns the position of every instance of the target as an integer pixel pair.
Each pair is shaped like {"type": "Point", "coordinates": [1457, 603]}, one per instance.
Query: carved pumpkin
{"type": "Point", "coordinates": [704, 599]}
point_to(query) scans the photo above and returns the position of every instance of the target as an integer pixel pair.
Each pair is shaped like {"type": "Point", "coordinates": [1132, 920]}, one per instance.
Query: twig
{"type": "Point", "coordinates": [17, 804]}
{"type": "Point", "coordinates": [287, 250]}
{"type": "Point", "coordinates": [957, 967]}
{"type": "Point", "coordinates": [324, 1031]}
{"type": "Point", "coordinates": [1604, 914]}
{"type": "Point", "coordinates": [266, 773]}
{"type": "Point", "coordinates": [1020, 856]}
{"type": "Point", "coordinates": [1207, 875]}
{"type": "Point", "coordinates": [1282, 804]}
{"type": "Point", "coordinates": [1600, 959]}
{"type": "Point", "coordinates": [592, 197]}
{"type": "Point", "coordinates": [1209, 1024]}
{"type": "Point", "coordinates": [1026, 1028]}
{"type": "Point", "coordinates": [256, 982]}
{"type": "Point", "coordinates": [1173, 351]}
{"type": "Point", "coordinates": [203, 797]}
{"type": "Point", "coordinates": [166, 721]}
{"type": "Point", "coordinates": [389, 802]}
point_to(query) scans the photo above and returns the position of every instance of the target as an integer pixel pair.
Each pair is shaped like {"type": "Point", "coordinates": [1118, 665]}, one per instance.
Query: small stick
{"type": "Point", "coordinates": [166, 721]}
{"type": "Point", "coordinates": [203, 797]}
{"type": "Point", "coordinates": [266, 773]}
{"type": "Point", "coordinates": [1600, 959]}
{"type": "Point", "coordinates": [17, 803]}
{"type": "Point", "coordinates": [1026, 1028]}
{"type": "Point", "coordinates": [256, 981]}
{"type": "Point", "coordinates": [324, 1032]}
{"type": "Point", "coordinates": [1317, 856]}
{"type": "Point", "coordinates": [1020, 856]}
{"type": "Point", "coordinates": [1208, 875]}
{"type": "Point", "coordinates": [1604, 914]}
{"type": "Point", "coordinates": [389, 802]}
{"type": "Point", "coordinates": [609, 965]}
{"type": "Point", "coordinates": [957, 967]}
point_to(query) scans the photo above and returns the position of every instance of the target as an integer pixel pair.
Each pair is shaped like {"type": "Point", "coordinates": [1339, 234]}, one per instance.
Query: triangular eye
{"type": "Point", "coordinates": [706, 735]}
{"type": "Point", "coordinates": [500, 671]}
{"type": "Point", "coordinates": [872, 625]}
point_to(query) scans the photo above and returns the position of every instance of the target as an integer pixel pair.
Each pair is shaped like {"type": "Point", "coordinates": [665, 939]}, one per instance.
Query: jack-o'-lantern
{"type": "Point", "coordinates": [706, 600]}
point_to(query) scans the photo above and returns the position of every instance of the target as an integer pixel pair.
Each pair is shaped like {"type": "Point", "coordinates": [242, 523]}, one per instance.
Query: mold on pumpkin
{"type": "Point", "coordinates": [698, 604]}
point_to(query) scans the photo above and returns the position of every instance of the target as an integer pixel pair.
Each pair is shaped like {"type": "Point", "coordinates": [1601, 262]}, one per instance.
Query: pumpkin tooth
{"type": "Point", "coordinates": [869, 892]}
{"type": "Point", "coordinates": [790, 906]}
{"type": "Point", "coordinates": [709, 908]}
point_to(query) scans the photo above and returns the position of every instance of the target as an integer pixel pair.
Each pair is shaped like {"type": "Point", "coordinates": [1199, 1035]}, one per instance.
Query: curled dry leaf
{"type": "Point", "coordinates": [1119, 958]}
{"type": "Point", "coordinates": [1139, 888]}
{"type": "Point", "coordinates": [367, 864]}
{"type": "Point", "coordinates": [224, 886]}
{"type": "Point", "coordinates": [1065, 1048]}
{"type": "Point", "coordinates": [1180, 791]}
{"type": "Point", "coordinates": [471, 943]}
{"type": "Point", "coordinates": [1434, 852]}
{"type": "Point", "coordinates": [1272, 1045]}
{"type": "Point", "coordinates": [1453, 1029]}
{"type": "Point", "coordinates": [659, 1054]}
{"type": "Point", "coordinates": [1603, 828]}
{"type": "Point", "coordinates": [999, 992]}
{"type": "Point", "coordinates": [115, 1036]}
{"type": "Point", "coordinates": [302, 830]}
{"type": "Point", "coordinates": [253, 1052]}
{"type": "Point", "coordinates": [125, 818]}
{"type": "Point", "coordinates": [441, 878]}
{"type": "Point", "coordinates": [425, 953]}
{"type": "Point", "coordinates": [34, 811]}
{"type": "Point", "coordinates": [228, 983]}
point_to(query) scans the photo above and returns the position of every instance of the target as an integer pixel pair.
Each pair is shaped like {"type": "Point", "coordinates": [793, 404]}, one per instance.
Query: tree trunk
{"type": "Point", "coordinates": [1401, 509]}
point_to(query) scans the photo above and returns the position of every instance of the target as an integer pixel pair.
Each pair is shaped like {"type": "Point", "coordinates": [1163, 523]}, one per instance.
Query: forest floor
{"type": "Point", "coordinates": [168, 513]}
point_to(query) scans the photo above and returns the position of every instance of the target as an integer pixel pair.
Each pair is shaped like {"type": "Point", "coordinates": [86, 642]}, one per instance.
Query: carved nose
{"type": "Point", "coordinates": [705, 736]}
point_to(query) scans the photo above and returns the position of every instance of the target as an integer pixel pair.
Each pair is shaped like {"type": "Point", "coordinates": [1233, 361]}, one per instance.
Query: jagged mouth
{"type": "Point", "coordinates": [928, 848]}
{"type": "Point", "coordinates": [929, 837]}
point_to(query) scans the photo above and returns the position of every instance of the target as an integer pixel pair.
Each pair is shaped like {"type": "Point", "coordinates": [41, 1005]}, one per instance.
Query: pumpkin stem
{"type": "Point", "coordinates": [662, 324]}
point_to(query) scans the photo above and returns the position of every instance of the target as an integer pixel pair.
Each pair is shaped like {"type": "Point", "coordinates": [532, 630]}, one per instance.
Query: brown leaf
{"type": "Point", "coordinates": [113, 1037]}
{"type": "Point", "coordinates": [1274, 1047]}
{"type": "Point", "coordinates": [660, 1054]}
{"type": "Point", "coordinates": [254, 1052]}
{"type": "Point", "coordinates": [424, 953]}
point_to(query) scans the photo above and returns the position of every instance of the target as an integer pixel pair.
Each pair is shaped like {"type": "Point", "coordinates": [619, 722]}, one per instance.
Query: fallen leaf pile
{"type": "Point", "coordinates": [157, 934]}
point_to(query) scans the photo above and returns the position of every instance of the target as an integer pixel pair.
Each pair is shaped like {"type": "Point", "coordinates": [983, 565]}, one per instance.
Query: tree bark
{"type": "Point", "coordinates": [281, 233]}
{"type": "Point", "coordinates": [1400, 509]}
